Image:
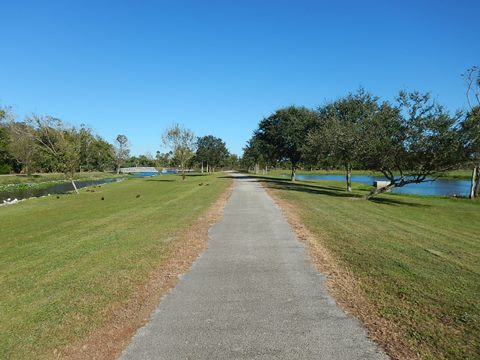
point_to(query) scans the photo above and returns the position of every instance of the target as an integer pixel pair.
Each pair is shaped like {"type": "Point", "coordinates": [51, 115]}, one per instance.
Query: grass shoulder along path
{"type": "Point", "coordinates": [66, 262]}
{"type": "Point", "coordinates": [416, 259]}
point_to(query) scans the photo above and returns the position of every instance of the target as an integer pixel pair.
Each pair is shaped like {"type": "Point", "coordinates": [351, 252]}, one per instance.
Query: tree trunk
{"type": "Point", "coordinates": [477, 185]}
{"type": "Point", "coordinates": [202, 167]}
{"type": "Point", "coordinates": [349, 178]}
{"type": "Point", "coordinates": [266, 169]}
{"type": "Point", "coordinates": [378, 191]}
{"type": "Point", "coordinates": [256, 168]}
{"type": "Point", "coordinates": [475, 182]}
{"type": "Point", "coordinates": [292, 177]}
{"type": "Point", "coordinates": [74, 186]}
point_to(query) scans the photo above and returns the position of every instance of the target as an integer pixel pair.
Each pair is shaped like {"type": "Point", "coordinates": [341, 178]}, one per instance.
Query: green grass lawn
{"type": "Point", "coordinates": [417, 259]}
{"type": "Point", "coordinates": [64, 262]}
{"type": "Point", "coordinates": [41, 178]}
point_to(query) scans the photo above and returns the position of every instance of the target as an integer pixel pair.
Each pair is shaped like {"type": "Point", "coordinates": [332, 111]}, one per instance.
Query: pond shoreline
{"type": "Point", "coordinates": [438, 187]}
{"type": "Point", "coordinates": [464, 174]}
{"type": "Point", "coordinates": [14, 193]}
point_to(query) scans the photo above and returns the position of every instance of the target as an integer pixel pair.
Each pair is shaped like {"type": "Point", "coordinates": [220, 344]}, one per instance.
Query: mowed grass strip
{"type": "Point", "coordinates": [39, 178]}
{"type": "Point", "coordinates": [64, 262]}
{"type": "Point", "coordinates": [417, 259]}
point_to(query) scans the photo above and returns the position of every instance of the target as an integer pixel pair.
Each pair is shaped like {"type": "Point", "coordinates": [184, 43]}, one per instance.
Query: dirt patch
{"type": "Point", "coordinates": [342, 285]}
{"type": "Point", "coordinates": [123, 320]}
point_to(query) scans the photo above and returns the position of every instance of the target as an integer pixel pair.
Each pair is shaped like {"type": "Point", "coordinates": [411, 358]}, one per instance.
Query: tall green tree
{"type": "Point", "coordinates": [7, 162]}
{"type": "Point", "coordinates": [471, 133]}
{"type": "Point", "coordinates": [211, 151]}
{"type": "Point", "coordinates": [101, 155]}
{"type": "Point", "coordinates": [339, 134]}
{"type": "Point", "coordinates": [233, 161]}
{"type": "Point", "coordinates": [251, 154]}
{"type": "Point", "coordinates": [183, 144]}
{"type": "Point", "coordinates": [22, 146]}
{"type": "Point", "coordinates": [284, 133]}
{"type": "Point", "coordinates": [163, 159]}
{"type": "Point", "coordinates": [58, 140]}
{"type": "Point", "coordinates": [122, 150]}
{"type": "Point", "coordinates": [414, 142]}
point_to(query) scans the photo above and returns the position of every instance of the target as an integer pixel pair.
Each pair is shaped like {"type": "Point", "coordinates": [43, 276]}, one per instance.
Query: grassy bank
{"type": "Point", "coordinates": [42, 178]}
{"type": "Point", "coordinates": [65, 262]}
{"type": "Point", "coordinates": [451, 175]}
{"type": "Point", "coordinates": [416, 258]}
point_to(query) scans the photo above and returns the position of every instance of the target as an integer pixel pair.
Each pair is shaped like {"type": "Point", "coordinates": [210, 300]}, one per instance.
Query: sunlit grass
{"type": "Point", "coordinates": [37, 178]}
{"type": "Point", "coordinates": [417, 258]}
{"type": "Point", "coordinates": [64, 261]}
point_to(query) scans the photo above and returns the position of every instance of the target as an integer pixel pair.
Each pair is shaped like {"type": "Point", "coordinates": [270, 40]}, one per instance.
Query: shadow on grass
{"type": "Point", "coordinates": [317, 188]}
{"type": "Point", "coordinates": [397, 202]}
{"type": "Point", "coordinates": [237, 177]}
{"type": "Point", "coordinates": [193, 175]}
{"type": "Point", "coordinates": [161, 180]}
{"type": "Point", "coordinates": [281, 184]}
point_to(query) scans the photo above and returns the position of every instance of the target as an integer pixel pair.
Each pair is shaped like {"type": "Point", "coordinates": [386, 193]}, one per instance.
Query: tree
{"type": "Point", "coordinates": [182, 142]}
{"type": "Point", "coordinates": [471, 133]}
{"type": "Point", "coordinates": [284, 134]}
{"type": "Point", "coordinates": [339, 135]}
{"type": "Point", "coordinates": [163, 159]}
{"type": "Point", "coordinates": [414, 142]}
{"type": "Point", "coordinates": [101, 155]}
{"type": "Point", "coordinates": [233, 161]}
{"type": "Point", "coordinates": [258, 154]}
{"type": "Point", "coordinates": [251, 154]}
{"type": "Point", "coordinates": [46, 136]}
{"type": "Point", "coordinates": [471, 126]}
{"type": "Point", "coordinates": [23, 146]}
{"type": "Point", "coordinates": [472, 81]}
{"type": "Point", "coordinates": [122, 150]}
{"type": "Point", "coordinates": [58, 140]}
{"type": "Point", "coordinates": [142, 160]}
{"type": "Point", "coordinates": [211, 151]}
{"type": "Point", "coordinates": [7, 162]}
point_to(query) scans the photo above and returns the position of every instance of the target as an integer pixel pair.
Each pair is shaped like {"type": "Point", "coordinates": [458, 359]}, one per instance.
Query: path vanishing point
{"type": "Point", "coordinates": [253, 294]}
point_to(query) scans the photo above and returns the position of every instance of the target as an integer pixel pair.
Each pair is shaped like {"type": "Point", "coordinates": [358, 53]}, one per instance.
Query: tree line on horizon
{"type": "Point", "coordinates": [48, 144]}
{"type": "Point", "coordinates": [412, 140]}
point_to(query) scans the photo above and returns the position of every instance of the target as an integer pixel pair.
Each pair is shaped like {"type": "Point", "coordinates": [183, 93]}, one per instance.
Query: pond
{"type": "Point", "coordinates": [54, 188]}
{"type": "Point", "coordinates": [439, 187]}
{"type": "Point", "coordinates": [152, 173]}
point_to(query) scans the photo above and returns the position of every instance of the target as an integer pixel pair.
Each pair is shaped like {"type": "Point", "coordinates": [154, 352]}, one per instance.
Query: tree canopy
{"type": "Point", "coordinates": [211, 151]}
{"type": "Point", "coordinates": [282, 135]}
{"type": "Point", "coordinates": [413, 140]}
{"type": "Point", "coordinates": [183, 144]}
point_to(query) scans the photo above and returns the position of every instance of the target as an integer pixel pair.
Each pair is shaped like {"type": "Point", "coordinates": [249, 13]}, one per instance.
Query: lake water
{"type": "Point", "coordinates": [56, 188]}
{"type": "Point", "coordinates": [151, 173]}
{"type": "Point", "coordinates": [439, 187]}
{"type": "Point", "coordinates": [146, 174]}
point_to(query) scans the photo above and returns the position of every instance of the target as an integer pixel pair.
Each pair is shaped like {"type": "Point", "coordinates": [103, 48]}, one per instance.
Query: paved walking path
{"type": "Point", "coordinates": [253, 294]}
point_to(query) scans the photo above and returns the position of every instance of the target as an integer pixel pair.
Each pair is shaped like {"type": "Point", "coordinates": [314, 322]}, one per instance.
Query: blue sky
{"type": "Point", "coordinates": [218, 67]}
